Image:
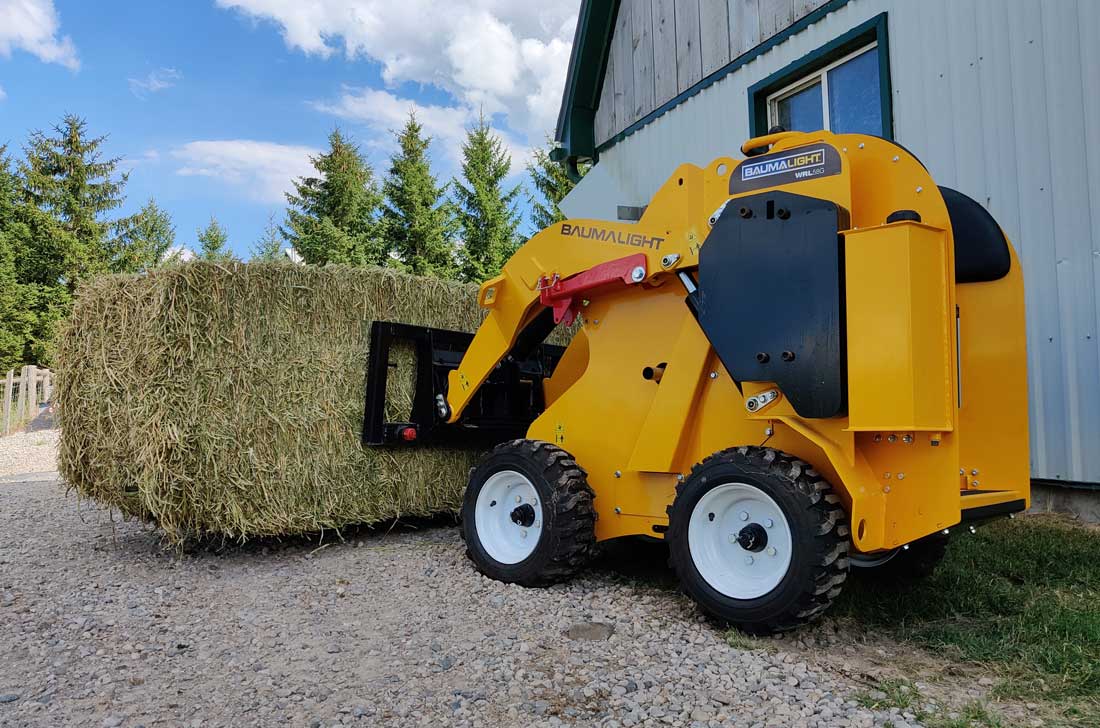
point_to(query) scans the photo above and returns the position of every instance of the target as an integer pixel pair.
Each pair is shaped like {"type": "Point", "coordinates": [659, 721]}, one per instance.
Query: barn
{"type": "Point", "coordinates": [998, 98]}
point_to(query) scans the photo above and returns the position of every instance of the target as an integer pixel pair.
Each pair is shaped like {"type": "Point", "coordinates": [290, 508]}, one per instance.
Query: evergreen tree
{"type": "Point", "coordinates": [552, 183]}
{"type": "Point", "coordinates": [66, 178]}
{"type": "Point", "coordinates": [416, 217]}
{"type": "Point", "coordinates": [213, 240]}
{"type": "Point", "coordinates": [16, 315]}
{"type": "Point", "coordinates": [270, 244]}
{"type": "Point", "coordinates": [145, 243]}
{"type": "Point", "coordinates": [16, 300]}
{"type": "Point", "coordinates": [333, 216]}
{"type": "Point", "coordinates": [485, 212]}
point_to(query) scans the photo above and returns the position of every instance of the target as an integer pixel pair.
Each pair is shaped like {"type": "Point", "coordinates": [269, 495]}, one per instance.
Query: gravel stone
{"type": "Point", "coordinates": [28, 452]}
{"type": "Point", "coordinates": [103, 625]}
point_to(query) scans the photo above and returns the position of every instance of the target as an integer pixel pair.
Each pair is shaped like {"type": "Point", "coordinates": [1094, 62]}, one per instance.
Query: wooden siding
{"type": "Point", "coordinates": [663, 47]}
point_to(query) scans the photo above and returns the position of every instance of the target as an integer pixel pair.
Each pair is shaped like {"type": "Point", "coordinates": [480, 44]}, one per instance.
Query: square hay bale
{"type": "Point", "coordinates": [228, 399]}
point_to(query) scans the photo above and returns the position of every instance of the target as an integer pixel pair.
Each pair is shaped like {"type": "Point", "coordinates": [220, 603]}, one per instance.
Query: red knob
{"type": "Point", "coordinates": [408, 434]}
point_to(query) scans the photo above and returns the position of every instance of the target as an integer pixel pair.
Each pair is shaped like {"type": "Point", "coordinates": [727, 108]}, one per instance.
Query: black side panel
{"type": "Point", "coordinates": [771, 294]}
{"type": "Point", "coordinates": [981, 251]}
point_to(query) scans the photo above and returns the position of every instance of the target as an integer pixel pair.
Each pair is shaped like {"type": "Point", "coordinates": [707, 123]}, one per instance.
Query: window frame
{"type": "Point", "coordinates": [820, 75]}
{"type": "Point", "coordinates": [814, 66]}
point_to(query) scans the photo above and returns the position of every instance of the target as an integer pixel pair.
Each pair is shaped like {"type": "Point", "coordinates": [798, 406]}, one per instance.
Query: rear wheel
{"type": "Point", "coordinates": [528, 515]}
{"type": "Point", "coordinates": [758, 539]}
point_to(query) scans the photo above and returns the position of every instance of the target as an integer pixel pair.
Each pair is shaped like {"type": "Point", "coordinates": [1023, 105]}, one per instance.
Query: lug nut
{"type": "Point", "coordinates": [748, 560]}
{"type": "Point", "coordinates": [745, 212]}
{"type": "Point", "coordinates": [744, 515]}
{"type": "Point", "coordinates": [768, 523]}
{"type": "Point", "coordinates": [787, 356]}
{"type": "Point", "coordinates": [771, 551]}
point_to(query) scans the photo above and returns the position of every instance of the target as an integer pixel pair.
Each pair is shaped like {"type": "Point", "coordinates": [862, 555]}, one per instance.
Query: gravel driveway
{"type": "Point", "coordinates": [100, 626]}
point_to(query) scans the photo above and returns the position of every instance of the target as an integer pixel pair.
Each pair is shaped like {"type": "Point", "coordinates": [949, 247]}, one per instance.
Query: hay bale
{"type": "Point", "coordinates": [228, 399]}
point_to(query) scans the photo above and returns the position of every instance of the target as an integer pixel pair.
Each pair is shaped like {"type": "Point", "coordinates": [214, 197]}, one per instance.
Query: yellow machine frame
{"type": "Point", "coordinates": [913, 453]}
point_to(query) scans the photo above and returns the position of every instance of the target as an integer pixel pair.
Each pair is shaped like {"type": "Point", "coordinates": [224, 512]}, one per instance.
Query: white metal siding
{"type": "Point", "coordinates": [1001, 100]}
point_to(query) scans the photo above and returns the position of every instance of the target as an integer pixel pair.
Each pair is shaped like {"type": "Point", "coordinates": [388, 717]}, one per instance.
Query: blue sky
{"type": "Point", "coordinates": [215, 105]}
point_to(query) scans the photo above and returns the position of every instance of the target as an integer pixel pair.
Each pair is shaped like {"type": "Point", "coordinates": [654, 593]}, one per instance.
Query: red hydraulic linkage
{"type": "Point", "coordinates": [564, 296]}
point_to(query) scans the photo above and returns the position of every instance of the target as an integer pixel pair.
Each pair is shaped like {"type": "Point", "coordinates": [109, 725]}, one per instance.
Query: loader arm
{"type": "Point", "coordinates": [558, 268]}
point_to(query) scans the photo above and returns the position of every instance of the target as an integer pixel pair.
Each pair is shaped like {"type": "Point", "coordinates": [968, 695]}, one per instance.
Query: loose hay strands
{"type": "Point", "coordinates": [228, 399]}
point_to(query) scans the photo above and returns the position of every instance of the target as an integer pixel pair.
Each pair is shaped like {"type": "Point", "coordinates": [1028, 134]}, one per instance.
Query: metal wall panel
{"type": "Point", "coordinates": [1000, 99]}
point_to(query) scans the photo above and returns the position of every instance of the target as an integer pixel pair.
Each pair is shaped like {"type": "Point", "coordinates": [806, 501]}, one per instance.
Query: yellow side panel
{"type": "Point", "coordinates": [993, 421]}
{"type": "Point", "coordinates": [899, 329]}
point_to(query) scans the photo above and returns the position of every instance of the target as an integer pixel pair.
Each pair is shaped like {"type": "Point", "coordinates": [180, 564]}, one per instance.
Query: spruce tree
{"type": "Point", "coordinates": [213, 240]}
{"type": "Point", "coordinates": [16, 300]}
{"type": "Point", "coordinates": [66, 177]}
{"type": "Point", "coordinates": [270, 245]}
{"type": "Point", "coordinates": [333, 217]}
{"type": "Point", "coordinates": [34, 294]}
{"type": "Point", "coordinates": [485, 211]}
{"type": "Point", "coordinates": [552, 184]}
{"type": "Point", "coordinates": [145, 243]}
{"type": "Point", "coordinates": [416, 217]}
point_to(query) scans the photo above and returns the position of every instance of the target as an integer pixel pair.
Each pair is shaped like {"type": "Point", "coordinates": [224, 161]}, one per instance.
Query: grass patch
{"type": "Point", "coordinates": [1021, 596]}
{"type": "Point", "coordinates": [741, 641]}
{"type": "Point", "coordinates": [905, 696]}
{"type": "Point", "coordinates": [889, 694]}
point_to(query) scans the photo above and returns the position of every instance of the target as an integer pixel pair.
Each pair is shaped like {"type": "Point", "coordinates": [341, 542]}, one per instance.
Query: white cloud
{"type": "Point", "coordinates": [33, 26]}
{"type": "Point", "coordinates": [178, 254]}
{"type": "Point", "coordinates": [149, 156]}
{"type": "Point", "coordinates": [501, 55]}
{"type": "Point", "coordinates": [383, 113]}
{"type": "Point", "coordinates": [263, 170]}
{"type": "Point", "coordinates": [3, 95]}
{"type": "Point", "coordinates": [157, 80]}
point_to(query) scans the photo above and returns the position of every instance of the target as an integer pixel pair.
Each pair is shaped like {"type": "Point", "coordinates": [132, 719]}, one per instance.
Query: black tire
{"type": "Point", "coordinates": [567, 539]}
{"type": "Point", "coordinates": [904, 565]}
{"type": "Point", "coordinates": [819, 539]}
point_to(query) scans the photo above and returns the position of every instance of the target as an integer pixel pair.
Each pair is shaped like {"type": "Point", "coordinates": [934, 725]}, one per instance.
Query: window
{"type": "Point", "coordinates": [844, 87]}
{"type": "Point", "coordinates": [842, 97]}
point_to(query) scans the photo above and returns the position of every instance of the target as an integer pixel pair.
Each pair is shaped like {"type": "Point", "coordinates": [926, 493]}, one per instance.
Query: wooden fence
{"type": "Point", "coordinates": [23, 393]}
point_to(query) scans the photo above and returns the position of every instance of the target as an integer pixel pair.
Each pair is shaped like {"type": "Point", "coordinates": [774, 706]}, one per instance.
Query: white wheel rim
{"type": "Point", "coordinates": [716, 543]}
{"type": "Point", "coordinates": [506, 497]}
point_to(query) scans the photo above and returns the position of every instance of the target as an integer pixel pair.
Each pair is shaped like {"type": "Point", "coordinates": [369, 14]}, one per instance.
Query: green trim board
{"type": "Point", "coordinates": [587, 65]}
{"type": "Point", "coordinates": [871, 31]}
{"type": "Point", "coordinates": [748, 56]}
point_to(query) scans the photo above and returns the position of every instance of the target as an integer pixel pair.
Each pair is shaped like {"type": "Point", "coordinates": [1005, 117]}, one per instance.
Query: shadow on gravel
{"type": "Point", "coordinates": [149, 541]}
{"type": "Point", "coordinates": [642, 561]}
{"type": "Point", "coordinates": [639, 561]}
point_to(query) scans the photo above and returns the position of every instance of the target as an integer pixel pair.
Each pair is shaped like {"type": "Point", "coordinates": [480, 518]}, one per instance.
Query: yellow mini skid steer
{"type": "Point", "coordinates": [792, 365]}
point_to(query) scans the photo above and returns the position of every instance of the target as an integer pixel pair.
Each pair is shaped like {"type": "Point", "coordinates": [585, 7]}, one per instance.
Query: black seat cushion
{"type": "Point", "coordinates": [981, 251]}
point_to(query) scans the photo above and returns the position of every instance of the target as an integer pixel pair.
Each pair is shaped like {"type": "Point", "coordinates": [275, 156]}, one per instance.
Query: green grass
{"type": "Point", "coordinates": [1021, 596]}
{"type": "Point", "coordinates": [905, 696]}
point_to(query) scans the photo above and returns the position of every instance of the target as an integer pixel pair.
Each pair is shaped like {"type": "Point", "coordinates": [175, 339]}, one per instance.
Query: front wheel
{"type": "Point", "coordinates": [758, 539]}
{"type": "Point", "coordinates": [528, 516]}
